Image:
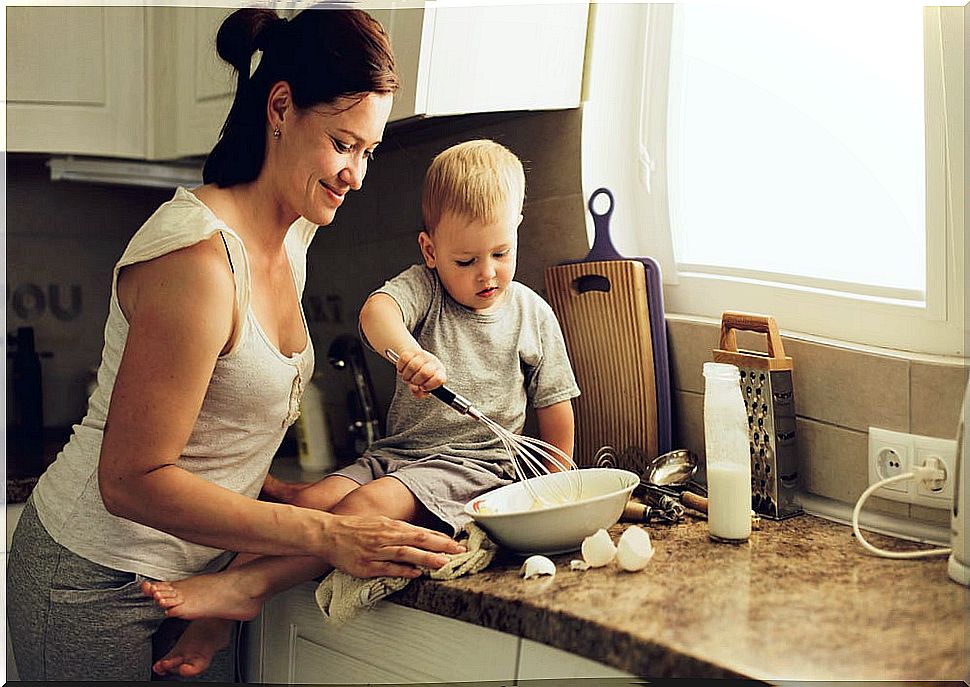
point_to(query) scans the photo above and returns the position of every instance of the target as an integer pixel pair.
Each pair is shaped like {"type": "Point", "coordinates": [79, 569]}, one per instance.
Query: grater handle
{"type": "Point", "coordinates": [732, 321]}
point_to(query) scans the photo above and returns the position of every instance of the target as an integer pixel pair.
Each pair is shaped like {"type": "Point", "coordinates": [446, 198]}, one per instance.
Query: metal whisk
{"type": "Point", "coordinates": [548, 473]}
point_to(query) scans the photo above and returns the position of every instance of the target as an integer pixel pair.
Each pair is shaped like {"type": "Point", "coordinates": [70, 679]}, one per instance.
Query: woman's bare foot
{"type": "Point", "coordinates": [194, 650]}
{"type": "Point", "coordinates": [284, 492]}
{"type": "Point", "coordinates": [228, 595]}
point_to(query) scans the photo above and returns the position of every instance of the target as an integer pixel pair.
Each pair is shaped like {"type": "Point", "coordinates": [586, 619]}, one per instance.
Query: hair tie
{"type": "Point", "coordinates": [269, 34]}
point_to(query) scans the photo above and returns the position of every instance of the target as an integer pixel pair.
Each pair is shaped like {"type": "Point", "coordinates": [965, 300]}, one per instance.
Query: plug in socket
{"type": "Point", "coordinates": [926, 449]}
{"type": "Point", "coordinates": [894, 453]}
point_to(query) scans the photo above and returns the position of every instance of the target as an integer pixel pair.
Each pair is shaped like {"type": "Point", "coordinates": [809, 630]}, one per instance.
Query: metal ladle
{"type": "Point", "coordinates": [668, 475]}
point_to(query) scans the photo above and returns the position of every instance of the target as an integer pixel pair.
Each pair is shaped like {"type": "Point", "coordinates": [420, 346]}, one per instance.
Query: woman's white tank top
{"type": "Point", "coordinates": [253, 396]}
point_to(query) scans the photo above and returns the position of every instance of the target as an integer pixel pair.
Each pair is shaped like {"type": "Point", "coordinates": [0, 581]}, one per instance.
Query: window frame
{"type": "Point", "coordinates": [936, 325]}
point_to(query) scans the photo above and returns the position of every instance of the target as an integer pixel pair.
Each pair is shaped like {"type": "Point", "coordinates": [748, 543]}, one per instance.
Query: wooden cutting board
{"type": "Point", "coordinates": [602, 308]}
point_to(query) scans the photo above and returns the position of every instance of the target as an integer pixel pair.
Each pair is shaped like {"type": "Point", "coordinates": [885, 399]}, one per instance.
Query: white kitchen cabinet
{"type": "Point", "coordinates": [542, 662]}
{"type": "Point", "coordinates": [133, 82]}
{"type": "Point", "coordinates": [146, 83]}
{"type": "Point", "coordinates": [455, 60]}
{"type": "Point", "coordinates": [292, 644]}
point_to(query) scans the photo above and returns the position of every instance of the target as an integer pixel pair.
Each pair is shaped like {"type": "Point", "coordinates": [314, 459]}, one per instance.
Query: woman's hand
{"type": "Point", "coordinates": [422, 371]}
{"type": "Point", "coordinates": [369, 546]}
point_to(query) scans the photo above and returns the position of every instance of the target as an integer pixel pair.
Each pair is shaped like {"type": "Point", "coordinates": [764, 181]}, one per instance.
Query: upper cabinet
{"type": "Point", "coordinates": [146, 83]}
{"type": "Point", "coordinates": [456, 60]}
{"type": "Point", "coordinates": [135, 82]}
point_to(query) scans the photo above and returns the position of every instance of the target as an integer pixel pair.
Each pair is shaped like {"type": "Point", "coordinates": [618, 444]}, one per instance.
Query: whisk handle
{"type": "Point", "coordinates": [456, 401]}
{"type": "Point", "coordinates": [446, 395]}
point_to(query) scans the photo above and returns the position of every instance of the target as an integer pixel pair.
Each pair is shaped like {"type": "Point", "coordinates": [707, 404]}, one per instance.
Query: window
{"type": "Point", "coordinates": [804, 139]}
{"type": "Point", "coordinates": [804, 162]}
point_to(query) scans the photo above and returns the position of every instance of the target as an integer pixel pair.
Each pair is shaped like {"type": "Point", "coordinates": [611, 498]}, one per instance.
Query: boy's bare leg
{"type": "Point", "coordinates": [283, 492]}
{"type": "Point", "coordinates": [194, 650]}
{"type": "Point", "coordinates": [238, 592]}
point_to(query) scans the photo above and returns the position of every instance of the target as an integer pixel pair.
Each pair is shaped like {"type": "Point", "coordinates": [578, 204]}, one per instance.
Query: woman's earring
{"type": "Point", "coordinates": [276, 133]}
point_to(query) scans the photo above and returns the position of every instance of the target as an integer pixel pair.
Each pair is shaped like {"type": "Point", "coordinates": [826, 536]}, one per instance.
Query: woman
{"type": "Point", "coordinates": [205, 359]}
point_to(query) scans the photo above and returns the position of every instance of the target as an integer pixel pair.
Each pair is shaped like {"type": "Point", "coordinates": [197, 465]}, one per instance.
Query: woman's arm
{"type": "Point", "coordinates": [557, 427]}
{"type": "Point", "coordinates": [179, 309]}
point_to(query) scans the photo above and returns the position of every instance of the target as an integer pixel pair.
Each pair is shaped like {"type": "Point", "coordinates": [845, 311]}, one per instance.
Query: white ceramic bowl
{"type": "Point", "coordinates": [511, 517]}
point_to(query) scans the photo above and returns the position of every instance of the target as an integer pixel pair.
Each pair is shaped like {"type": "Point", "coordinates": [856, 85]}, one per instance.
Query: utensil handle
{"type": "Point", "coordinates": [732, 321]}
{"type": "Point", "coordinates": [443, 393]}
{"type": "Point", "coordinates": [695, 501]}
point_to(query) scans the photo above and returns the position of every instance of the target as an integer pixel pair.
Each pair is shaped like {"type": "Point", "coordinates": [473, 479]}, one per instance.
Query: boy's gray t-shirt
{"type": "Point", "coordinates": [500, 360]}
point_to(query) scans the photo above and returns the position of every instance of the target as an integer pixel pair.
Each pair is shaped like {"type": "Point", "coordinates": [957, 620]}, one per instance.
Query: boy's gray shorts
{"type": "Point", "coordinates": [443, 484]}
{"type": "Point", "coordinates": [71, 619]}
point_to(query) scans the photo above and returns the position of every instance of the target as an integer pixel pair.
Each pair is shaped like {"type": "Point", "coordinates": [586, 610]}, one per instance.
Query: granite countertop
{"type": "Point", "coordinates": [801, 600]}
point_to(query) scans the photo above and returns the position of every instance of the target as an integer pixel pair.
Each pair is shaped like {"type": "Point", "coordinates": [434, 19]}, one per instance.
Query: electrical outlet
{"type": "Point", "coordinates": [945, 450]}
{"type": "Point", "coordinates": [889, 455]}
{"type": "Point", "coordinates": [894, 453]}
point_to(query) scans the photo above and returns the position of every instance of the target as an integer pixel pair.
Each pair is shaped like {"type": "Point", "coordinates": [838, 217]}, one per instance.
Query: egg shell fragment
{"type": "Point", "coordinates": [634, 549]}
{"type": "Point", "coordinates": [598, 549]}
{"type": "Point", "coordinates": [537, 565]}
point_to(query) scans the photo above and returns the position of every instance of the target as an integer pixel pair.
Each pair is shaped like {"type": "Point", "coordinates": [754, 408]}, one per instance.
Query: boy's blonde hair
{"type": "Point", "coordinates": [480, 180]}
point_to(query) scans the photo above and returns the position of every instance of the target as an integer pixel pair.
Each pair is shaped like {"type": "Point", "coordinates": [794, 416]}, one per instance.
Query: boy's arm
{"type": "Point", "coordinates": [556, 427]}
{"type": "Point", "coordinates": [382, 322]}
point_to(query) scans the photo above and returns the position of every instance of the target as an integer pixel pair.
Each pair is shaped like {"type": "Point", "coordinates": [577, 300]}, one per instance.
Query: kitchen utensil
{"type": "Point", "coordinates": [531, 458]}
{"type": "Point", "coordinates": [345, 352]}
{"type": "Point", "coordinates": [958, 565]}
{"type": "Point", "coordinates": [511, 519]}
{"type": "Point", "coordinates": [766, 387]}
{"type": "Point", "coordinates": [611, 312]}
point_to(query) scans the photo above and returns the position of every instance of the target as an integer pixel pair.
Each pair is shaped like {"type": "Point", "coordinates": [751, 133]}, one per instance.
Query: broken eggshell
{"type": "Point", "coordinates": [634, 549]}
{"type": "Point", "coordinates": [598, 549]}
{"type": "Point", "coordinates": [537, 565]}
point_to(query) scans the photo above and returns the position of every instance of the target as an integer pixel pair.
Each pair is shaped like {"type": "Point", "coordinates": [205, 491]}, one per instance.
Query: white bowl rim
{"type": "Point", "coordinates": [470, 511]}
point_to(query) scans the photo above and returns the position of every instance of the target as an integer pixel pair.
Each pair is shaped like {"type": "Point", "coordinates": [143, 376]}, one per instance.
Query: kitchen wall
{"type": "Point", "coordinates": [839, 393]}
{"type": "Point", "coordinates": [62, 240]}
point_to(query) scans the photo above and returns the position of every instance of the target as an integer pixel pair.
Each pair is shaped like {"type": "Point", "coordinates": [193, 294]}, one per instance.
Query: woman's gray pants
{"type": "Point", "coordinates": [71, 619]}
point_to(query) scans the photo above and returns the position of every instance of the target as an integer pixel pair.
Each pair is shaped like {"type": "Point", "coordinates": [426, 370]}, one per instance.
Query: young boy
{"type": "Point", "coordinates": [457, 319]}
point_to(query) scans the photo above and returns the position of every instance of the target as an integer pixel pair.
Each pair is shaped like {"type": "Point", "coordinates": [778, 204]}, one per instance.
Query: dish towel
{"type": "Point", "coordinates": [340, 596]}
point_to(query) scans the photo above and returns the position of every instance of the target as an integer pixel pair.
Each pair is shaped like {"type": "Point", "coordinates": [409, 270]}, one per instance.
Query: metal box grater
{"type": "Point", "coordinates": [766, 386]}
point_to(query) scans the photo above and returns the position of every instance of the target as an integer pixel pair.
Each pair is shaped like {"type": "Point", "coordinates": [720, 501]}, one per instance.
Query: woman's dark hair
{"type": "Point", "coordinates": [323, 54]}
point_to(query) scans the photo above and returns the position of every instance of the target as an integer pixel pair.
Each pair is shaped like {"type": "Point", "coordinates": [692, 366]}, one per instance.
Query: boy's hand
{"type": "Point", "coordinates": [422, 371]}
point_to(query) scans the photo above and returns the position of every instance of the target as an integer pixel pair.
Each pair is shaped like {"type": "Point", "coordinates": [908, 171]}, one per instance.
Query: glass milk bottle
{"type": "Point", "coordinates": [728, 454]}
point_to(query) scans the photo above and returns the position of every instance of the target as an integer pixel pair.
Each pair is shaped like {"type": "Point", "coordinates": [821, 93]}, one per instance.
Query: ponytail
{"type": "Point", "coordinates": [322, 54]}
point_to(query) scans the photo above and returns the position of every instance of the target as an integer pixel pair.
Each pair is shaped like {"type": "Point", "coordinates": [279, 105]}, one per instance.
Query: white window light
{"type": "Point", "coordinates": [730, 237]}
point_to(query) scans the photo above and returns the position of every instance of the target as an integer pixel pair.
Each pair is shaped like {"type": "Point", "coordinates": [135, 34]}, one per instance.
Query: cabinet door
{"type": "Point", "coordinates": [456, 60]}
{"type": "Point", "coordinates": [506, 57]}
{"type": "Point", "coordinates": [191, 88]}
{"type": "Point", "coordinates": [75, 80]}
{"type": "Point", "coordinates": [407, 26]}
{"type": "Point", "coordinates": [541, 662]}
{"type": "Point", "coordinates": [390, 643]}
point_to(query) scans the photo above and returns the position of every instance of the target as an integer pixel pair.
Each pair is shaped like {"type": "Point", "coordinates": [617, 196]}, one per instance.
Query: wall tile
{"type": "Point", "coordinates": [849, 388]}
{"type": "Point", "coordinates": [934, 516]}
{"type": "Point", "coordinates": [936, 396]}
{"type": "Point", "coordinates": [689, 346]}
{"type": "Point", "coordinates": [688, 416]}
{"type": "Point", "coordinates": [833, 462]}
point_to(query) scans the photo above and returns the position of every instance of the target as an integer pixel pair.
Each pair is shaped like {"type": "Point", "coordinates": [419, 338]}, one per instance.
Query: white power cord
{"type": "Point", "coordinates": [924, 473]}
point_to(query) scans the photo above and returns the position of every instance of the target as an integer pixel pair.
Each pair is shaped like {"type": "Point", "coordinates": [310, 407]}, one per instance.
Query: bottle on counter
{"type": "Point", "coordinates": [728, 454]}
{"type": "Point", "coordinates": [314, 448]}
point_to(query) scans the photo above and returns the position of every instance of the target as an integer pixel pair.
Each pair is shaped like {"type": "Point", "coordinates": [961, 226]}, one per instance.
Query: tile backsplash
{"type": "Point", "coordinates": [839, 394]}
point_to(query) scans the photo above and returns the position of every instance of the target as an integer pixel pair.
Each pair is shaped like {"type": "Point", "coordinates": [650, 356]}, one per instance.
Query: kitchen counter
{"type": "Point", "coordinates": [801, 600]}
